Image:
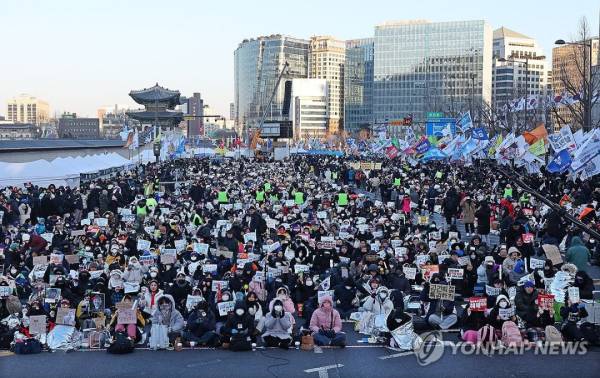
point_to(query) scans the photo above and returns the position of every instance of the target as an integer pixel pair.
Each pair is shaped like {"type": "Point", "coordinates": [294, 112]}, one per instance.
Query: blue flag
{"type": "Point", "coordinates": [423, 146]}
{"type": "Point", "coordinates": [480, 133]}
{"type": "Point", "coordinates": [433, 153]}
{"type": "Point", "coordinates": [560, 162]}
{"type": "Point", "coordinates": [465, 122]}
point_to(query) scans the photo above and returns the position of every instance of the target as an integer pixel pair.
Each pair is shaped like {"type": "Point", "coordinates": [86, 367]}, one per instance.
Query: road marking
{"type": "Point", "coordinates": [323, 370]}
{"type": "Point", "coordinates": [204, 363]}
{"type": "Point", "coordinates": [6, 354]}
{"type": "Point", "coordinates": [402, 354]}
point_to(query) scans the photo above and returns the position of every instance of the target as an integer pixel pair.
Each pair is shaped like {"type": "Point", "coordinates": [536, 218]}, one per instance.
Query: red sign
{"type": "Point", "coordinates": [478, 304]}
{"type": "Point", "coordinates": [545, 301]}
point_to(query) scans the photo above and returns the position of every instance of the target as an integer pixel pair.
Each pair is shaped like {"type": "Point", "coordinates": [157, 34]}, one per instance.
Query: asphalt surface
{"type": "Point", "coordinates": [362, 361]}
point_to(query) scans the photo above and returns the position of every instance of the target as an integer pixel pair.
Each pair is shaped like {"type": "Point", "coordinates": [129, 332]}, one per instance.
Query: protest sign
{"type": "Point", "coordinates": [271, 247]}
{"type": "Point", "coordinates": [5, 291]}
{"type": "Point", "coordinates": [421, 259]}
{"type": "Point", "coordinates": [48, 236]}
{"type": "Point", "coordinates": [192, 301]}
{"type": "Point", "coordinates": [423, 220]}
{"type": "Point", "coordinates": [224, 252]}
{"type": "Point", "coordinates": [201, 248]}
{"type": "Point", "coordinates": [51, 295]}
{"type": "Point", "coordinates": [259, 276]}
{"type": "Point", "coordinates": [101, 222]}
{"type": "Point", "coordinates": [56, 258]}
{"type": "Point", "coordinates": [456, 274]}
{"type": "Point", "coordinates": [40, 260]}
{"type": "Point", "coordinates": [216, 285]}
{"type": "Point", "coordinates": [492, 291]}
{"type": "Point", "coordinates": [324, 293]}
{"type": "Point", "coordinates": [528, 238]}
{"type": "Point", "coordinates": [126, 316]}
{"type": "Point", "coordinates": [545, 301]}
{"type": "Point", "coordinates": [225, 307]}
{"type": "Point", "coordinates": [429, 270]}
{"type": "Point", "coordinates": [209, 268]}
{"type": "Point", "coordinates": [552, 253]}
{"type": "Point", "coordinates": [180, 245]}
{"type": "Point", "coordinates": [536, 263]}
{"type": "Point", "coordinates": [400, 251]}
{"type": "Point", "coordinates": [37, 324]}
{"type": "Point", "coordinates": [478, 304]}
{"type": "Point", "coordinates": [410, 272]}
{"type": "Point", "coordinates": [168, 256]}
{"type": "Point", "coordinates": [143, 245]}
{"type": "Point", "coordinates": [72, 259]}
{"type": "Point", "coordinates": [65, 316]}
{"type": "Point", "coordinates": [250, 236]}
{"type": "Point", "coordinates": [452, 235]}
{"type": "Point", "coordinates": [97, 302]}
{"type": "Point", "coordinates": [573, 293]}
{"type": "Point", "coordinates": [442, 258]}
{"type": "Point", "coordinates": [91, 215]}
{"type": "Point", "coordinates": [131, 287]}
{"type": "Point", "coordinates": [77, 233]}
{"type": "Point", "coordinates": [506, 313]}
{"type": "Point", "coordinates": [86, 222]}
{"type": "Point", "coordinates": [128, 218]}
{"type": "Point", "coordinates": [444, 292]}
{"type": "Point", "coordinates": [301, 268]}
{"type": "Point", "coordinates": [326, 244]}
{"type": "Point", "coordinates": [395, 243]}
{"type": "Point", "coordinates": [146, 260]}
{"type": "Point", "coordinates": [464, 260]}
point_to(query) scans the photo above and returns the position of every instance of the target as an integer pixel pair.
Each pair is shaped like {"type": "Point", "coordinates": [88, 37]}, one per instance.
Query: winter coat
{"type": "Point", "coordinates": [578, 254]}
{"type": "Point", "coordinates": [198, 324]}
{"type": "Point", "coordinates": [483, 220]}
{"type": "Point", "coordinates": [525, 304]}
{"type": "Point", "coordinates": [133, 275]}
{"type": "Point", "coordinates": [280, 327]}
{"type": "Point", "coordinates": [468, 211]}
{"type": "Point", "coordinates": [175, 321]}
{"type": "Point", "coordinates": [326, 319]}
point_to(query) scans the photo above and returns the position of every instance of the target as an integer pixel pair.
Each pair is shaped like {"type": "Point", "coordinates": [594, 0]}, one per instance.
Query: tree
{"type": "Point", "coordinates": [574, 79]}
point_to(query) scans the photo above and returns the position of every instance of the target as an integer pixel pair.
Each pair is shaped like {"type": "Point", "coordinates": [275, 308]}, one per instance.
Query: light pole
{"type": "Point", "coordinates": [587, 90]}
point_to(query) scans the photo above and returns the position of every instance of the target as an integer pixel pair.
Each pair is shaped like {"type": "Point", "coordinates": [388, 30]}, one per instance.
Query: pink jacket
{"type": "Point", "coordinates": [259, 288]}
{"type": "Point", "coordinates": [325, 319]}
{"type": "Point", "coordinates": [406, 205]}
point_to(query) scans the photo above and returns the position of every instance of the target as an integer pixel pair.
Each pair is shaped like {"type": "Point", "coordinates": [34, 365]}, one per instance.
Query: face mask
{"type": "Point", "coordinates": [348, 287]}
{"type": "Point", "coordinates": [382, 295]}
{"type": "Point", "coordinates": [239, 311]}
{"type": "Point", "coordinates": [225, 298]}
{"type": "Point", "coordinates": [252, 311]}
{"type": "Point", "coordinates": [502, 304]}
{"type": "Point", "coordinates": [153, 274]}
{"type": "Point", "coordinates": [278, 308]}
{"type": "Point", "coordinates": [309, 283]}
{"type": "Point", "coordinates": [165, 307]}
{"type": "Point", "coordinates": [13, 271]}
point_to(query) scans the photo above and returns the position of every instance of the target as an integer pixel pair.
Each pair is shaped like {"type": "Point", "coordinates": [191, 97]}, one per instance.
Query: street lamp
{"type": "Point", "coordinates": [587, 116]}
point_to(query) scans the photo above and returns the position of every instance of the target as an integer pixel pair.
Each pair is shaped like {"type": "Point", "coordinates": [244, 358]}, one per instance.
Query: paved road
{"type": "Point", "coordinates": [362, 361]}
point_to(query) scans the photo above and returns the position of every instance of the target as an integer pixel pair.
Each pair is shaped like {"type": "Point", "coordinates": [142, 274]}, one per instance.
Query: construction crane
{"type": "Point", "coordinates": [256, 133]}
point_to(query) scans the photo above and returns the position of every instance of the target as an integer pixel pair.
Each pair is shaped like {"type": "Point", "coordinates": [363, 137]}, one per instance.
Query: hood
{"type": "Point", "coordinates": [576, 241]}
{"type": "Point", "coordinates": [240, 304]}
{"type": "Point", "coordinates": [383, 289]}
{"type": "Point", "coordinates": [501, 297]}
{"type": "Point", "coordinates": [284, 290]}
{"type": "Point", "coordinates": [169, 297]}
{"type": "Point", "coordinates": [326, 298]}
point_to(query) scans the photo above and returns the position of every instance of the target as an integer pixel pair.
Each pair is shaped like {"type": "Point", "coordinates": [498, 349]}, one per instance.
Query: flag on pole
{"type": "Point", "coordinates": [538, 148]}
{"type": "Point", "coordinates": [560, 162]}
{"type": "Point", "coordinates": [465, 122]}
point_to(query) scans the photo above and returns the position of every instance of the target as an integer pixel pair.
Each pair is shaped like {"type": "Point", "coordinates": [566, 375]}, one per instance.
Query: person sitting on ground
{"type": "Point", "coordinates": [326, 325]}
{"type": "Point", "coordinates": [278, 326]}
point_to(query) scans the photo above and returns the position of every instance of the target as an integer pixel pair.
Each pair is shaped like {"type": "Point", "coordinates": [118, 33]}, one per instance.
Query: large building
{"type": "Point", "coordinates": [326, 60]}
{"type": "Point", "coordinates": [358, 85]}
{"type": "Point", "coordinates": [18, 131]}
{"type": "Point", "coordinates": [72, 127]}
{"type": "Point", "coordinates": [309, 108]}
{"type": "Point", "coordinates": [195, 109]}
{"type": "Point", "coordinates": [519, 70]}
{"type": "Point", "coordinates": [159, 104]}
{"type": "Point", "coordinates": [27, 109]}
{"type": "Point", "coordinates": [257, 66]}
{"type": "Point", "coordinates": [567, 74]}
{"type": "Point", "coordinates": [423, 67]}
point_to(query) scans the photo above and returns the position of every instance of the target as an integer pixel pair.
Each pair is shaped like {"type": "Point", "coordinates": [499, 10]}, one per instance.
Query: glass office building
{"type": "Point", "coordinates": [358, 85]}
{"type": "Point", "coordinates": [257, 65]}
{"type": "Point", "coordinates": [425, 67]}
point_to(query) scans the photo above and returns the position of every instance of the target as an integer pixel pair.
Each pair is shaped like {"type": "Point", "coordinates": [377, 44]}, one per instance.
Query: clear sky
{"type": "Point", "coordinates": [82, 54]}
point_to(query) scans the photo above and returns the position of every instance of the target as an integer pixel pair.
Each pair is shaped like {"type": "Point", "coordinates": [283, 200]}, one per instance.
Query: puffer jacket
{"type": "Point", "coordinates": [278, 327]}
{"type": "Point", "coordinates": [326, 319]}
{"type": "Point", "coordinates": [378, 306]}
{"type": "Point", "coordinates": [578, 254]}
{"type": "Point", "coordinates": [175, 321]}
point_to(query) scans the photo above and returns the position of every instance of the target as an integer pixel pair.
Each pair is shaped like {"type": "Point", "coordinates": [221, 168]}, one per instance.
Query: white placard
{"type": "Point", "coordinates": [225, 307]}
{"type": "Point", "coordinates": [223, 284]}
{"type": "Point", "coordinates": [409, 272]}
{"type": "Point", "coordinates": [143, 245]}
{"type": "Point", "coordinates": [180, 245]}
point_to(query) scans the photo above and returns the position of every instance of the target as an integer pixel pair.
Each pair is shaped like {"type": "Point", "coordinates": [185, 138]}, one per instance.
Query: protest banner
{"type": "Point", "coordinates": [478, 304]}
{"type": "Point", "coordinates": [168, 256]}
{"type": "Point", "coordinates": [552, 253]}
{"type": "Point", "coordinates": [506, 313]}
{"type": "Point", "coordinates": [40, 260]}
{"type": "Point", "coordinates": [192, 301]}
{"type": "Point", "coordinates": [201, 248]}
{"type": "Point", "coordinates": [37, 324]}
{"type": "Point", "coordinates": [455, 273]}
{"type": "Point", "coordinates": [545, 301]}
{"type": "Point", "coordinates": [536, 263]}
{"type": "Point", "coordinates": [573, 293]}
{"type": "Point", "coordinates": [143, 245]}
{"type": "Point", "coordinates": [492, 291]}
{"type": "Point", "coordinates": [410, 272]}
{"type": "Point", "coordinates": [56, 258]}
{"type": "Point", "coordinates": [444, 292]}
{"type": "Point", "coordinates": [65, 316]}
{"type": "Point", "coordinates": [225, 307]}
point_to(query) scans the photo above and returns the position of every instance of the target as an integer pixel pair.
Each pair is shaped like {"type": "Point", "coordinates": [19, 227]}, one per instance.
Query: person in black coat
{"type": "Point", "coordinates": [239, 330]}
{"type": "Point", "coordinates": [483, 214]}
{"type": "Point", "coordinates": [344, 295]}
{"type": "Point", "coordinates": [179, 291]}
{"type": "Point", "coordinates": [201, 325]}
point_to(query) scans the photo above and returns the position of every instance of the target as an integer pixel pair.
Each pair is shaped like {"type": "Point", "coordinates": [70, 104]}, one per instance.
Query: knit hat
{"type": "Point", "coordinates": [528, 284]}
{"type": "Point", "coordinates": [512, 250]}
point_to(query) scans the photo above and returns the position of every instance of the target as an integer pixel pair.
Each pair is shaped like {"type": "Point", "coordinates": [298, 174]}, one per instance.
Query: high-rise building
{"type": "Point", "coordinates": [257, 66]}
{"type": "Point", "coordinates": [28, 109]}
{"type": "Point", "coordinates": [195, 109]}
{"type": "Point", "coordinates": [568, 65]}
{"type": "Point", "coordinates": [423, 67]}
{"type": "Point", "coordinates": [309, 108]}
{"type": "Point", "coordinates": [519, 70]}
{"type": "Point", "coordinates": [326, 61]}
{"type": "Point", "coordinates": [358, 85]}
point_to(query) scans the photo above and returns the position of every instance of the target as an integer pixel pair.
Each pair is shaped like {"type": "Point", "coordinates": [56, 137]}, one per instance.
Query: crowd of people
{"type": "Point", "coordinates": [237, 253]}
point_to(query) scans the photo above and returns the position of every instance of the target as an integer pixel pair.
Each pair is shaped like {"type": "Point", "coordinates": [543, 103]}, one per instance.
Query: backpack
{"type": "Point", "coordinates": [552, 334]}
{"type": "Point", "coordinates": [28, 346]}
{"type": "Point", "coordinates": [121, 345]}
{"type": "Point", "coordinates": [511, 336]}
{"type": "Point", "coordinates": [486, 335]}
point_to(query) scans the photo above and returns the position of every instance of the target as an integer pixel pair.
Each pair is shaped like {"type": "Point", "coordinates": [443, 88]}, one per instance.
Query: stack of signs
{"type": "Point", "coordinates": [192, 301]}
{"type": "Point", "coordinates": [456, 274]}
{"type": "Point", "coordinates": [65, 316]}
{"type": "Point", "coordinates": [545, 301]}
{"type": "Point", "coordinates": [126, 314]}
{"type": "Point", "coordinates": [168, 256]}
{"type": "Point", "coordinates": [444, 292]}
{"type": "Point", "coordinates": [37, 324]}
{"type": "Point", "coordinates": [492, 291]}
{"type": "Point", "coordinates": [478, 304]}
{"type": "Point", "coordinates": [225, 307]}
{"type": "Point", "coordinates": [410, 272]}
{"type": "Point", "coordinates": [324, 293]}
{"type": "Point", "coordinates": [506, 313]}
{"type": "Point", "coordinates": [143, 245]}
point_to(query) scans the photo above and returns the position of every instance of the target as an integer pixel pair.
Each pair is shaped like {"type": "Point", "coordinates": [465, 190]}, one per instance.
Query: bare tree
{"type": "Point", "coordinates": [577, 79]}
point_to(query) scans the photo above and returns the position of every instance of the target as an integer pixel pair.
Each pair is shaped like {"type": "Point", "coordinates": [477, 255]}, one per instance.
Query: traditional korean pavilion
{"type": "Point", "coordinates": [159, 104]}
